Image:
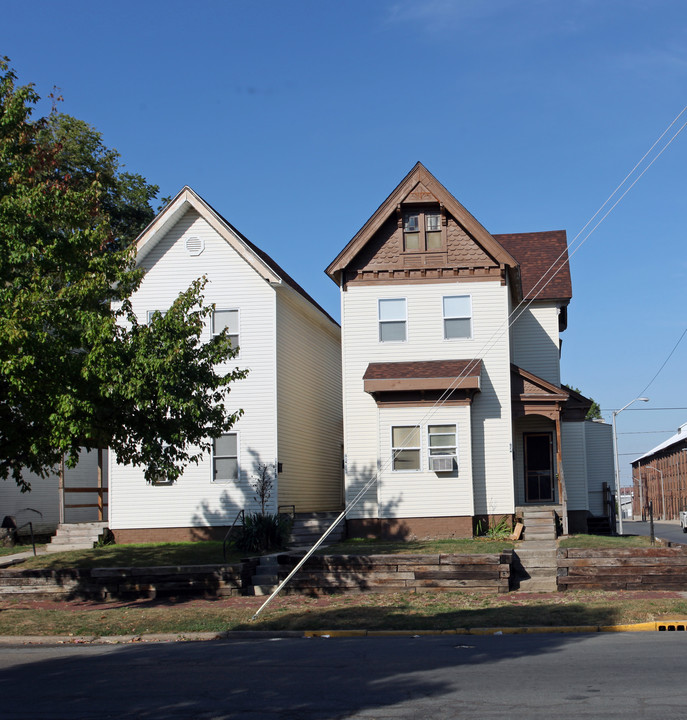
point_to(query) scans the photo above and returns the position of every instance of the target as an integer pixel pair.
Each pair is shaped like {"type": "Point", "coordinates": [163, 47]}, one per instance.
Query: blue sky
{"type": "Point", "coordinates": [296, 119]}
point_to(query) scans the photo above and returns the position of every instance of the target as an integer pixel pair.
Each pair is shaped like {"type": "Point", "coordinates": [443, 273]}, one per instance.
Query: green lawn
{"type": "Point", "coordinates": [20, 549]}
{"type": "Point", "coordinates": [371, 611]}
{"type": "Point", "coordinates": [362, 546]}
{"type": "Point", "coordinates": [602, 541]}
{"type": "Point", "coordinates": [206, 553]}
{"type": "Point", "coordinates": [143, 555]}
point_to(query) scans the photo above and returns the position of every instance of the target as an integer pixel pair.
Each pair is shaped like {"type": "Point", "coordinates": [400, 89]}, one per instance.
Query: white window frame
{"type": "Point", "coordinates": [396, 322]}
{"type": "Point", "coordinates": [213, 457]}
{"type": "Point", "coordinates": [446, 317]}
{"type": "Point", "coordinates": [150, 313]}
{"type": "Point", "coordinates": [238, 322]}
{"type": "Point", "coordinates": [394, 449]}
{"type": "Point", "coordinates": [442, 450]}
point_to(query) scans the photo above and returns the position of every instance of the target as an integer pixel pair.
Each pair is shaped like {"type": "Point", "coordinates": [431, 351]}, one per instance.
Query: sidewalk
{"type": "Point", "coordinates": [8, 560]}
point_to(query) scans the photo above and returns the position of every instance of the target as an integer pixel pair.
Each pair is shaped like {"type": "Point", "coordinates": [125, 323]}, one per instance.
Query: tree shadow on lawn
{"type": "Point", "coordinates": [410, 618]}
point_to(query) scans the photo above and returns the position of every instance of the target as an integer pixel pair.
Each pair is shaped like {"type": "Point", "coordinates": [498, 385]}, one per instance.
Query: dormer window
{"type": "Point", "coordinates": [422, 231]}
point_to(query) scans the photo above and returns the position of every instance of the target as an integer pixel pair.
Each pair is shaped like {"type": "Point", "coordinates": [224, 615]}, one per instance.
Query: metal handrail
{"type": "Point", "coordinates": [33, 542]}
{"type": "Point", "coordinates": [240, 514]}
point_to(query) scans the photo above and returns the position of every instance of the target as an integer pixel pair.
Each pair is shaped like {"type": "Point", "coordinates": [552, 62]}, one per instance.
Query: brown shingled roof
{"type": "Point", "coordinates": [423, 375]}
{"type": "Point", "coordinates": [536, 253]}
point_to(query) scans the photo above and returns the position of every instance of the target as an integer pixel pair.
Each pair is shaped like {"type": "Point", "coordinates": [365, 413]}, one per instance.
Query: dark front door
{"type": "Point", "coordinates": [538, 467]}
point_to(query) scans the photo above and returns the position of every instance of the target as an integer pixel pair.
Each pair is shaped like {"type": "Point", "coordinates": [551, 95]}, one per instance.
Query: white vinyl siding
{"type": "Point", "coordinates": [574, 449]}
{"type": "Point", "coordinates": [424, 493]}
{"type": "Point", "coordinates": [194, 499]}
{"type": "Point", "coordinates": [309, 406]}
{"type": "Point", "coordinates": [535, 341]}
{"type": "Point", "coordinates": [489, 416]}
{"type": "Point", "coordinates": [600, 469]}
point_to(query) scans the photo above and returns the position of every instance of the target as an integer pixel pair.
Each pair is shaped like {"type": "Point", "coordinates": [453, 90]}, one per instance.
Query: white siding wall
{"type": "Point", "coordinates": [309, 406]}
{"type": "Point", "coordinates": [600, 468]}
{"type": "Point", "coordinates": [195, 500]}
{"type": "Point", "coordinates": [425, 493]}
{"type": "Point", "coordinates": [573, 438]}
{"type": "Point", "coordinates": [535, 341]}
{"type": "Point", "coordinates": [491, 416]}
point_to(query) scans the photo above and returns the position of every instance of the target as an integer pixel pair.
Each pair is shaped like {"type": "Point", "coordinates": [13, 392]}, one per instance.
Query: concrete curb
{"type": "Point", "coordinates": [678, 625]}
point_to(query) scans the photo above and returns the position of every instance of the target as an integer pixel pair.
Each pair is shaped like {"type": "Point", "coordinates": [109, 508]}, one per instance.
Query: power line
{"type": "Point", "coordinates": [670, 354]}
{"type": "Point", "coordinates": [643, 409]}
{"type": "Point", "coordinates": [646, 432]}
{"type": "Point", "coordinates": [522, 307]}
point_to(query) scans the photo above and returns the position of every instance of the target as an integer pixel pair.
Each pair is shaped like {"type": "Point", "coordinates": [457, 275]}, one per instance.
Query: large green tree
{"type": "Point", "coordinates": [77, 369]}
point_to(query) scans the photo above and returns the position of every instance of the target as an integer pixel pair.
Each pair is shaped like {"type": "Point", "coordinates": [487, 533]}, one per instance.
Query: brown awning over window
{"type": "Point", "coordinates": [421, 376]}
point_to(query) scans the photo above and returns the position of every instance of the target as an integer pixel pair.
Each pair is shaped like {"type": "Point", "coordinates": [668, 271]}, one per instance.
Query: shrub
{"type": "Point", "coordinates": [263, 532]}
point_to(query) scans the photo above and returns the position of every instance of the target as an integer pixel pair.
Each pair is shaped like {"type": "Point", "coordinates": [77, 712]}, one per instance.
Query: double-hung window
{"type": "Point", "coordinates": [392, 320]}
{"type": "Point", "coordinates": [406, 452]}
{"type": "Point", "coordinates": [457, 317]}
{"type": "Point", "coordinates": [422, 231]}
{"type": "Point", "coordinates": [443, 448]}
{"type": "Point", "coordinates": [225, 458]}
{"type": "Point", "coordinates": [226, 319]}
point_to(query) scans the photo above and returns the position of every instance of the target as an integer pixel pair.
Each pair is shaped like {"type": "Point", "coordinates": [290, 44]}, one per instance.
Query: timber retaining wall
{"type": "Point", "coordinates": [657, 568]}
{"type": "Point", "coordinates": [127, 583]}
{"type": "Point", "coordinates": [415, 573]}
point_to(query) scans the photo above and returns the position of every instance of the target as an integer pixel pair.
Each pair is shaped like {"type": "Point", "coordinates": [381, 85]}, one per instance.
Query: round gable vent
{"type": "Point", "coordinates": [195, 245]}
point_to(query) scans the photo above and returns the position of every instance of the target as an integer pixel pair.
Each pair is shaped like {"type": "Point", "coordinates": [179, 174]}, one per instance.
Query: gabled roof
{"type": "Point", "coordinates": [528, 389]}
{"type": "Point", "coordinates": [679, 437]}
{"type": "Point", "coordinates": [543, 256]}
{"type": "Point", "coordinates": [420, 181]}
{"type": "Point", "coordinates": [259, 260]}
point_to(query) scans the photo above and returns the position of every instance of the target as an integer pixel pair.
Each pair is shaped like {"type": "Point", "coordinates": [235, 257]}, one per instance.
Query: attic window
{"type": "Point", "coordinates": [423, 230]}
{"type": "Point", "coordinates": [195, 245]}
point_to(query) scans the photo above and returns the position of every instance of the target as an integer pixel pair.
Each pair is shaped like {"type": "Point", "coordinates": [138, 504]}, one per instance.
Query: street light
{"type": "Point", "coordinates": [663, 495]}
{"type": "Point", "coordinates": [617, 469]}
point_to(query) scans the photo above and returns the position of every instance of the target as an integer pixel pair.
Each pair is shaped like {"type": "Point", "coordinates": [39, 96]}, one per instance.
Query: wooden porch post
{"type": "Point", "coordinates": [60, 492]}
{"type": "Point", "coordinates": [562, 492]}
{"type": "Point", "coordinates": [100, 484]}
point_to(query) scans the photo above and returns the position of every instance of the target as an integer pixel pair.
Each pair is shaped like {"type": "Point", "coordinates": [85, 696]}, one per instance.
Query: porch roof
{"type": "Point", "coordinates": [423, 375]}
{"type": "Point", "coordinates": [532, 395]}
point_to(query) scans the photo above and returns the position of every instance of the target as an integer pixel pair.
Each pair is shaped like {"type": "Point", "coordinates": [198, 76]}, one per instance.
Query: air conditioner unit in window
{"type": "Point", "coordinates": [441, 463]}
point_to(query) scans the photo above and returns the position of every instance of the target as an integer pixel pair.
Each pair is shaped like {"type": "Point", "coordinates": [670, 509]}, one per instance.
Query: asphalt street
{"type": "Point", "coordinates": [612, 675]}
{"type": "Point", "coordinates": [669, 530]}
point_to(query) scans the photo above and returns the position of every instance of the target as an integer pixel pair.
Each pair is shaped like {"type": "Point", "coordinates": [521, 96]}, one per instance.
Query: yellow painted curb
{"type": "Point", "coordinates": [634, 627]}
{"type": "Point", "coordinates": [653, 626]}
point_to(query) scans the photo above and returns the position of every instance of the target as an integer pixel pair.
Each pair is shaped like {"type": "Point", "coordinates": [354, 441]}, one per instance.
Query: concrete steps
{"type": "Point", "coordinates": [76, 536]}
{"type": "Point", "coordinates": [266, 578]}
{"type": "Point", "coordinates": [535, 559]}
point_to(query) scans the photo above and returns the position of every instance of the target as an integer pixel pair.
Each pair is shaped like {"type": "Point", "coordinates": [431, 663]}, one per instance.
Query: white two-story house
{"type": "Point", "coordinates": [453, 407]}
{"type": "Point", "coordinates": [291, 398]}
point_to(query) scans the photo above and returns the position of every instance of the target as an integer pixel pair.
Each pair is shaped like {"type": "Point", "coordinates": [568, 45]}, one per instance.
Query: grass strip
{"type": "Point", "coordinates": [383, 611]}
